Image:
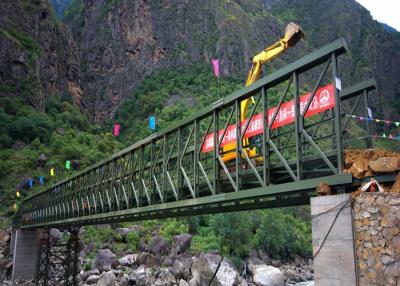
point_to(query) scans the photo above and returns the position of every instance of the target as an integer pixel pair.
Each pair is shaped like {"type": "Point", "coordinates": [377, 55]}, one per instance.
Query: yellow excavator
{"type": "Point", "coordinates": [293, 34]}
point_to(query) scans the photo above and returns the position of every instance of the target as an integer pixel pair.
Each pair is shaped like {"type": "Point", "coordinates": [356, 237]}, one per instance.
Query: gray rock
{"type": "Point", "coordinates": [139, 276]}
{"type": "Point", "coordinates": [107, 279]}
{"type": "Point", "coordinates": [183, 283]}
{"type": "Point", "coordinates": [181, 267]}
{"type": "Point", "coordinates": [227, 274]}
{"type": "Point", "coordinates": [386, 259]}
{"type": "Point", "coordinates": [128, 260]}
{"type": "Point", "coordinates": [92, 279]}
{"type": "Point", "coordinates": [159, 246]}
{"type": "Point", "coordinates": [55, 234]}
{"type": "Point", "coordinates": [147, 260]}
{"type": "Point", "coordinates": [182, 242]}
{"type": "Point", "coordinates": [265, 275]}
{"type": "Point", "coordinates": [105, 260]}
{"type": "Point", "coordinates": [123, 281]}
{"type": "Point", "coordinates": [203, 269]}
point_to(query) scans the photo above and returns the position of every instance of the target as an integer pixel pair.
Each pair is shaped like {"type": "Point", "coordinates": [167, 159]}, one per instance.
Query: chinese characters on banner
{"type": "Point", "coordinates": [323, 100]}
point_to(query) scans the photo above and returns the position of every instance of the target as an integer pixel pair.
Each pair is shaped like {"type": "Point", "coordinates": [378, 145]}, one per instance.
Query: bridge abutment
{"type": "Point", "coordinates": [333, 241]}
{"type": "Point", "coordinates": [24, 250]}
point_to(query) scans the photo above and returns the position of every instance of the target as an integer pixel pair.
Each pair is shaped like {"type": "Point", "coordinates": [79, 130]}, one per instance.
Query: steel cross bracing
{"type": "Point", "coordinates": [168, 174]}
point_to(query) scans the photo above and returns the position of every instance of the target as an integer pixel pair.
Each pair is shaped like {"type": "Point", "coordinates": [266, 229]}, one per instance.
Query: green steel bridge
{"type": "Point", "coordinates": [168, 174]}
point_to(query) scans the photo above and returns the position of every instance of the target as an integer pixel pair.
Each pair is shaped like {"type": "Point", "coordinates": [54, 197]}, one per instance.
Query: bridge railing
{"type": "Point", "coordinates": [189, 161]}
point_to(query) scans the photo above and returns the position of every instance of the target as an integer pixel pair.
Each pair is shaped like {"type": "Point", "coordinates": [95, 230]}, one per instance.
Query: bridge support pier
{"type": "Point", "coordinates": [24, 251]}
{"type": "Point", "coordinates": [333, 241]}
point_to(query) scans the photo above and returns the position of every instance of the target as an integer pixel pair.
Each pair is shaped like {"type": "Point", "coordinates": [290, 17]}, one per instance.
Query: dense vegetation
{"type": "Point", "coordinates": [61, 133]}
{"type": "Point", "coordinates": [282, 234]}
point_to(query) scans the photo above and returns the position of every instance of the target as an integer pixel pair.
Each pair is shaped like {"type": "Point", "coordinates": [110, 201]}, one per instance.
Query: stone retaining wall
{"type": "Point", "coordinates": [377, 238]}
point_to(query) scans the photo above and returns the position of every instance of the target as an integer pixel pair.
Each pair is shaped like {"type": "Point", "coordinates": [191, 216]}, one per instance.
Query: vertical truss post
{"type": "Point", "coordinates": [43, 260]}
{"type": "Point", "coordinates": [238, 144]}
{"type": "Point", "coordinates": [71, 259]}
{"type": "Point", "coordinates": [367, 124]}
{"type": "Point", "coordinates": [178, 169]}
{"type": "Point", "coordinates": [338, 124]}
{"type": "Point", "coordinates": [299, 123]}
{"type": "Point", "coordinates": [265, 140]}
{"type": "Point", "coordinates": [196, 157]}
{"type": "Point", "coordinates": [216, 153]}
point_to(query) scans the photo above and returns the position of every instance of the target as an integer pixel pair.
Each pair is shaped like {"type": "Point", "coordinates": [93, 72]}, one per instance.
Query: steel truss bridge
{"type": "Point", "coordinates": [168, 175]}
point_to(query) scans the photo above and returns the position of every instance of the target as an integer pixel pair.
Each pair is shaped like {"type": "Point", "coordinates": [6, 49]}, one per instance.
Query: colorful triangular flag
{"type": "Point", "coordinates": [397, 123]}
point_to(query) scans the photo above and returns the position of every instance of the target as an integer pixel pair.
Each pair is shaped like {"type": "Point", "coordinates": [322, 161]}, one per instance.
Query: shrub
{"type": "Point", "coordinates": [132, 240]}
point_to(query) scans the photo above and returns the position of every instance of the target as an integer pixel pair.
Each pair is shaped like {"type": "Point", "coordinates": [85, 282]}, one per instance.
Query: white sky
{"type": "Point", "coordinates": [385, 11]}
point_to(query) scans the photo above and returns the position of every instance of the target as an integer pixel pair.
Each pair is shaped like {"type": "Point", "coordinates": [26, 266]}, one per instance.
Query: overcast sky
{"type": "Point", "coordinates": [385, 11]}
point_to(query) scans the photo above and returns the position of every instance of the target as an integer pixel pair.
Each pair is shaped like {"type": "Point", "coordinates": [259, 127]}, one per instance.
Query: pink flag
{"type": "Point", "coordinates": [116, 130]}
{"type": "Point", "coordinates": [216, 67]}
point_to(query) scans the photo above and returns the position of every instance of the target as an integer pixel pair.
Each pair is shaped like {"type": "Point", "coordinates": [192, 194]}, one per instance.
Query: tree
{"type": "Point", "coordinates": [233, 231]}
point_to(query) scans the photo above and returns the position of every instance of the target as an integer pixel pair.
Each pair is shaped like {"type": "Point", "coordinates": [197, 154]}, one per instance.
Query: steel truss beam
{"type": "Point", "coordinates": [168, 174]}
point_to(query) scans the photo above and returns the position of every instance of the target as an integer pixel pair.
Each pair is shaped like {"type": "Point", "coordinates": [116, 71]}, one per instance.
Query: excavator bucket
{"type": "Point", "coordinates": [293, 34]}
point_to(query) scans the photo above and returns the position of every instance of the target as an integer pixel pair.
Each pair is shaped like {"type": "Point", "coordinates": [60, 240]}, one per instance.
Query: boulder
{"type": "Point", "coordinates": [123, 281]}
{"type": "Point", "coordinates": [204, 268]}
{"type": "Point", "coordinates": [147, 260]}
{"type": "Point", "coordinates": [265, 275]}
{"type": "Point", "coordinates": [106, 279]}
{"type": "Point", "coordinates": [139, 276]}
{"type": "Point", "coordinates": [385, 165]}
{"type": "Point", "coordinates": [105, 260]}
{"type": "Point", "coordinates": [159, 246]}
{"type": "Point", "coordinates": [227, 274]}
{"type": "Point", "coordinates": [181, 267]}
{"type": "Point", "coordinates": [128, 260]}
{"type": "Point", "coordinates": [182, 242]}
{"type": "Point", "coordinates": [92, 279]}
{"type": "Point", "coordinates": [183, 283]}
{"type": "Point", "coordinates": [55, 234]}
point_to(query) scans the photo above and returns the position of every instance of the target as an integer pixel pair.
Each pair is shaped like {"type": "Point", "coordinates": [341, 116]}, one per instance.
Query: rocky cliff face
{"type": "Point", "coordinates": [38, 56]}
{"type": "Point", "coordinates": [121, 42]}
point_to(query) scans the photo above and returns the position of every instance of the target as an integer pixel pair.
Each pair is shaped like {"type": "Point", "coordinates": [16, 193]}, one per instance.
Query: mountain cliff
{"type": "Point", "coordinates": [114, 45]}
{"type": "Point", "coordinates": [122, 42]}
{"type": "Point", "coordinates": [38, 55]}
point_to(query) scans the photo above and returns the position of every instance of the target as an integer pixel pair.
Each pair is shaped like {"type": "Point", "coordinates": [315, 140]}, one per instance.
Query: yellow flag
{"type": "Point", "coordinates": [52, 172]}
{"type": "Point", "coordinates": [18, 194]}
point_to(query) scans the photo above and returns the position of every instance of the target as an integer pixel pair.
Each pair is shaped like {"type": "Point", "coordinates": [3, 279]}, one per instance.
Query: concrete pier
{"type": "Point", "coordinates": [333, 241]}
{"type": "Point", "coordinates": [24, 254]}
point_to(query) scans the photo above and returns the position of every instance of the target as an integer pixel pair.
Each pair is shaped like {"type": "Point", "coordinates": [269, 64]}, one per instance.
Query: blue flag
{"type": "Point", "coordinates": [41, 180]}
{"type": "Point", "coordinates": [152, 123]}
{"type": "Point", "coordinates": [30, 183]}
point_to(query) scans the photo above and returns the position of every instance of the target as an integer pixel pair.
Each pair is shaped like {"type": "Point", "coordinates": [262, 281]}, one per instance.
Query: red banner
{"type": "Point", "coordinates": [323, 100]}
